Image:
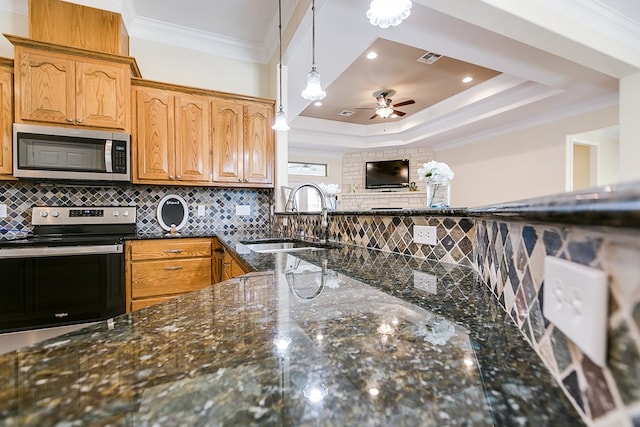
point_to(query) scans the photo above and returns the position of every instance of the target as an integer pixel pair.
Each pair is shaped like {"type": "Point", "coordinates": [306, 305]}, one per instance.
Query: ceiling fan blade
{"type": "Point", "coordinates": [373, 117]}
{"type": "Point", "coordinates": [399, 113]}
{"type": "Point", "coordinates": [407, 102]}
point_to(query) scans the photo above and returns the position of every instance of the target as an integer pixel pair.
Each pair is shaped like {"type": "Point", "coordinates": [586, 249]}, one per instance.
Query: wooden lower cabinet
{"type": "Point", "coordinates": [161, 269]}
{"type": "Point", "coordinates": [231, 267]}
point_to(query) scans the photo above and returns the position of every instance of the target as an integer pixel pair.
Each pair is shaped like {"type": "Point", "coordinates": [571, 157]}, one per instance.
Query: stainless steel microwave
{"type": "Point", "coordinates": [46, 152]}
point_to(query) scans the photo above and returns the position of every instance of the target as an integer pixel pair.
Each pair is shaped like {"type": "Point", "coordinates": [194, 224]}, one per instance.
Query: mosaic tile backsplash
{"type": "Point", "coordinates": [390, 233]}
{"type": "Point", "coordinates": [510, 257]}
{"type": "Point", "coordinates": [220, 204]}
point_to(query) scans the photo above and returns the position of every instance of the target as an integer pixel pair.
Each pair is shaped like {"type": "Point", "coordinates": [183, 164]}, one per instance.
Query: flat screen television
{"type": "Point", "coordinates": [387, 174]}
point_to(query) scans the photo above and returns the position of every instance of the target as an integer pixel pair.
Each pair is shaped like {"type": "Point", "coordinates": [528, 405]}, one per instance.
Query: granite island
{"type": "Point", "coordinates": [341, 336]}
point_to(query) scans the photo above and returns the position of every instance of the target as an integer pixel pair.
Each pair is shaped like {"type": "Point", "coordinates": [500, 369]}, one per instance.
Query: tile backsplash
{"type": "Point", "coordinates": [220, 204]}
{"type": "Point", "coordinates": [510, 258]}
{"type": "Point", "coordinates": [389, 233]}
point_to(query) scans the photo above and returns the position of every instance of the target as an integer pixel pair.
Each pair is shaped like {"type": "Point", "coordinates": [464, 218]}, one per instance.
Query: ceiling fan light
{"type": "Point", "coordinates": [384, 112]}
{"type": "Point", "coordinates": [281, 122]}
{"type": "Point", "coordinates": [385, 13]}
{"type": "Point", "coordinates": [313, 91]}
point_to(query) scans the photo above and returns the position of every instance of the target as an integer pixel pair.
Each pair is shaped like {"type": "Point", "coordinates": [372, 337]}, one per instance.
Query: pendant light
{"type": "Point", "coordinates": [313, 91]}
{"type": "Point", "coordinates": [281, 118]}
{"type": "Point", "coordinates": [385, 13]}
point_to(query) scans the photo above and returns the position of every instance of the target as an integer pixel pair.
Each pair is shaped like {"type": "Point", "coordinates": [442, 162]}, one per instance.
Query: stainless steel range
{"type": "Point", "coordinates": [70, 270]}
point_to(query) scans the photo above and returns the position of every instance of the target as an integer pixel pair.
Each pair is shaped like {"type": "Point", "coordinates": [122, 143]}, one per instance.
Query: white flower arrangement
{"type": "Point", "coordinates": [329, 189]}
{"type": "Point", "coordinates": [435, 170]}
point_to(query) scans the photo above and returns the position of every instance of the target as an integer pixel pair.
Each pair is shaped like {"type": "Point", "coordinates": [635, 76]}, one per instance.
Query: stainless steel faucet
{"type": "Point", "coordinates": [292, 206]}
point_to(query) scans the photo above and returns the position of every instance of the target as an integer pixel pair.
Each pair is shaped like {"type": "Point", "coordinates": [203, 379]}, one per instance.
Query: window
{"type": "Point", "coordinates": [308, 169]}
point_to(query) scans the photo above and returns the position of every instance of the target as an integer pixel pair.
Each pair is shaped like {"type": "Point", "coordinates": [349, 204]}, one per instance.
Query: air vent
{"type": "Point", "coordinates": [429, 58]}
{"type": "Point", "coordinates": [346, 113]}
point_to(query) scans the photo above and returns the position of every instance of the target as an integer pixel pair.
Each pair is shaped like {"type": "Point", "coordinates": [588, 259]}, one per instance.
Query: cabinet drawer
{"type": "Point", "coordinates": [157, 278]}
{"type": "Point", "coordinates": [169, 249]}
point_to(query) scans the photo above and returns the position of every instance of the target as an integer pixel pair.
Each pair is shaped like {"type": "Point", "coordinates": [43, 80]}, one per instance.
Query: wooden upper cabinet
{"type": "Point", "coordinates": [171, 134]}
{"type": "Point", "coordinates": [101, 94]}
{"type": "Point", "coordinates": [6, 116]}
{"type": "Point", "coordinates": [153, 130]}
{"type": "Point", "coordinates": [64, 89]}
{"type": "Point", "coordinates": [227, 120]}
{"type": "Point", "coordinates": [243, 142]}
{"type": "Point", "coordinates": [259, 144]}
{"type": "Point", "coordinates": [193, 143]}
{"type": "Point", "coordinates": [190, 136]}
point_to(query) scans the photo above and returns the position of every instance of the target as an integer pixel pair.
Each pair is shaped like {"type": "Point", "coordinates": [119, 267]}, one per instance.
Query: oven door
{"type": "Point", "coordinates": [50, 286]}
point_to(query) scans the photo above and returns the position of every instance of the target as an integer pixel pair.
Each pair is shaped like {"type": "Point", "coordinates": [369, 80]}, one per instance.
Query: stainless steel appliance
{"type": "Point", "coordinates": [70, 270]}
{"type": "Point", "coordinates": [46, 152]}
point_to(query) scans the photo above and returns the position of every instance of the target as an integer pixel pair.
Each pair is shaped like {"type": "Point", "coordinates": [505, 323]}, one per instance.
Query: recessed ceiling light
{"type": "Point", "coordinates": [467, 79]}
{"type": "Point", "coordinates": [394, 116]}
{"type": "Point", "coordinates": [372, 55]}
{"type": "Point", "coordinates": [317, 103]}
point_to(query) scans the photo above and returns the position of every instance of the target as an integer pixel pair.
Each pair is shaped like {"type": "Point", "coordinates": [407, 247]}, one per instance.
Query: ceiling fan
{"type": "Point", "coordinates": [385, 107]}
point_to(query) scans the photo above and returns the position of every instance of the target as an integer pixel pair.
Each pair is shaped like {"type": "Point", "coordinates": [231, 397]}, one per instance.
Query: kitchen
{"type": "Point", "coordinates": [224, 200]}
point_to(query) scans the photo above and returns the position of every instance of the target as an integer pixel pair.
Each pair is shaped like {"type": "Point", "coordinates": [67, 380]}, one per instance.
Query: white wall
{"type": "Point", "coordinates": [172, 64]}
{"type": "Point", "coordinates": [14, 24]}
{"type": "Point", "coordinates": [522, 164]}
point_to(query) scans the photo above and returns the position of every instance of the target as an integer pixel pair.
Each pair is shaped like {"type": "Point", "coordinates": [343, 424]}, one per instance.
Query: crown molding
{"type": "Point", "coordinates": [189, 38]}
{"type": "Point", "coordinates": [599, 17]}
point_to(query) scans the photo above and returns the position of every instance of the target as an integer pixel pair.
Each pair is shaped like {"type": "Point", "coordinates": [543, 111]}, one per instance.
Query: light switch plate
{"type": "Point", "coordinates": [243, 210]}
{"type": "Point", "coordinates": [575, 300]}
{"type": "Point", "coordinates": [201, 210]}
{"type": "Point", "coordinates": [3, 210]}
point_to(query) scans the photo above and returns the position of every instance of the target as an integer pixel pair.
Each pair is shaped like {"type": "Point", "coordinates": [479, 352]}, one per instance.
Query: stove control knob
{"type": "Point", "coordinates": [116, 213]}
{"type": "Point", "coordinates": [44, 214]}
{"type": "Point", "coordinates": [125, 213]}
{"type": "Point", "coordinates": [55, 214]}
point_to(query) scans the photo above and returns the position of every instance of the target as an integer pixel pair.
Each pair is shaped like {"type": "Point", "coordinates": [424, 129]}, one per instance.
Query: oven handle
{"type": "Point", "coordinates": [59, 251]}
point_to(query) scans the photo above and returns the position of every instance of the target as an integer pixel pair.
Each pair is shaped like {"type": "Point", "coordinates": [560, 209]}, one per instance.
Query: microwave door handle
{"type": "Point", "coordinates": [108, 150]}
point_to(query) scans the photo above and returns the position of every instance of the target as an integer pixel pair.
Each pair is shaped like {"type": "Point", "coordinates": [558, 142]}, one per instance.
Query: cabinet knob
{"type": "Point", "coordinates": [79, 121]}
{"type": "Point", "coordinates": [179, 177]}
{"type": "Point", "coordinates": [171, 177]}
{"type": "Point", "coordinates": [239, 179]}
{"type": "Point", "coordinates": [69, 120]}
{"type": "Point", "coordinates": [246, 180]}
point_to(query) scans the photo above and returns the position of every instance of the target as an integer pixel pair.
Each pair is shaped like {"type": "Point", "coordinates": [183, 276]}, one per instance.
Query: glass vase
{"type": "Point", "coordinates": [438, 193]}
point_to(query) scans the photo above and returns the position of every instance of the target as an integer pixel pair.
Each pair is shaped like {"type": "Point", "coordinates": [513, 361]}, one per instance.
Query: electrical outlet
{"type": "Point", "coordinates": [425, 234]}
{"type": "Point", "coordinates": [285, 222]}
{"type": "Point", "coordinates": [243, 210]}
{"type": "Point", "coordinates": [425, 282]}
{"type": "Point", "coordinates": [575, 300]}
{"type": "Point", "coordinates": [201, 210]}
{"type": "Point", "coordinates": [3, 210]}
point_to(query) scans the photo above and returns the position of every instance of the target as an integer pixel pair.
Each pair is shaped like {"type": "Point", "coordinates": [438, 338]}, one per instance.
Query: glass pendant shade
{"type": "Point", "coordinates": [386, 13]}
{"type": "Point", "coordinates": [384, 112]}
{"type": "Point", "coordinates": [281, 121]}
{"type": "Point", "coordinates": [313, 91]}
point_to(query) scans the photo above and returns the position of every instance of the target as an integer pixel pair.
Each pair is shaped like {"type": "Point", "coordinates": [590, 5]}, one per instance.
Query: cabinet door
{"type": "Point", "coordinates": [6, 121]}
{"type": "Point", "coordinates": [154, 134]}
{"type": "Point", "coordinates": [193, 145]}
{"type": "Point", "coordinates": [102, 91]}
{"type": "Point", "coordinates": [227, 141]}
{"type": "Point", "coordinates": [258, 144]}
{"type": "Point", "coordinates": [46, 87]}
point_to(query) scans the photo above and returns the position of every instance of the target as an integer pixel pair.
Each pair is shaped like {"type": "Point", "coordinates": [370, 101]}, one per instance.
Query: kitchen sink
{"type": "Point", "coordinates": [284, 245]}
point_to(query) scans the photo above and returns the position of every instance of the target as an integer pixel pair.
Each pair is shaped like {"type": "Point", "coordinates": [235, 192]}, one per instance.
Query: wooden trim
{"type": "Point", "coordinates": [50, 47]}
{"type": "Point", "coordinates": [199, 91]}
{"type": "Point", "coordinates": [6, 63]}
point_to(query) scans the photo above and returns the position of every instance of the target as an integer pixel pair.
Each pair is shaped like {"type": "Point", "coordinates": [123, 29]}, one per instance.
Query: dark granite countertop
{"type": "Point", "coordinates": [345, 336]}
